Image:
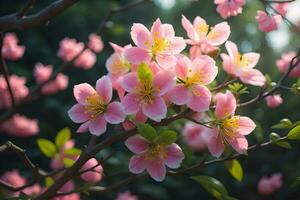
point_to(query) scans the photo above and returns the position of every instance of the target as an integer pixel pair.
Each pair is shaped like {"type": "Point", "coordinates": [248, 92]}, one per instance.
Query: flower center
{"type": "Point", "coordinates": [159, 45]}
{"type": "Point", "coordinates": [95, 106]}
{"type": "Point", "coordinates": [241, 61]}
{"type": "Point", "coordinates": [156, 151]}
{"type": "Point", "coordinates": [202, 29]}
{"type": "Point", "coordinates": [229, 126]}
{"type": "Point", "coordinates": [146, 92]}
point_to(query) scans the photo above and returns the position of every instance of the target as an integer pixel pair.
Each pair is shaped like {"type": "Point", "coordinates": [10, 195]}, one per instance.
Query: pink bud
{"type": "Point", "coordinates": [42, 72]}
{"type": "Point", "coordinates": [274, 101]}
{"type": "Point", "coordinates": [86, 60]}
{"type": "Point", "coordinates": [11, 50]}
{"type": "Point", "coordinates": [95, 174]}
{"type": "Point", "coordinates": [268, 23]}
{"type": "Point", "coordinates": [95, 43]}
{"type": "Point", "coordinates": [69, 49]}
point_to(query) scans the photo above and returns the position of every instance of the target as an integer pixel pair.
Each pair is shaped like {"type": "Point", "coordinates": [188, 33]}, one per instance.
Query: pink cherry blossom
{"type": "Point", "coordinates": [20, 126]}
{"type": "Point", "coordinates": [42, 72]}
{"type": "Point", "coordinates": [196, 136]}
{"type": "Point", "coordinates": [268, 23]}
{"type": "Point", "coordinates": [283, 64]}
{"type": "Point", "coordinates": [11, 50]}
{"type": "Point", "coordinates": [33, 190]}
{"type": "Point", "coordinates": [153, 157]}
{"type": "Point", "coordinates": [86, 60]}
{"type": "Point", "coordinates": [281, 8]}
{"type": "Point", "coordinates": [95, 173]}
{"type": "Point", "coordinates": [204, 39]}
{"type": "Point", "coordinates": [229, 128]}
{"type": "Point", "coordinates": [18, 87]}
{"type": "Point", "coordinates": [94, 108]}
{"type": "Point", "coordinates": [146, 94]}
{"type": "Point", "coordinates": [269, 185]}
{"type": "Point", "coordinates": [192, 76]}
{"type": "Point", "coordinates": [242, 65]}
{"type": "Point", "coordinates": [58, 84]}
{"type": "Point", "coordinates": [95, 43]}
{"type": "Point", "coordinates": [126, 196]}
{"type": "Point", "coordinates": [159, 44]}
{"type": "Point", "coordinates": [228, 8]}
{"type": "Point", "coordinates": [58, 161]}
{"type": "Point", "coordinates": [69, 49]}
{"type": "Point", "coordinates": [274, 101]}
{"type": "Point", "coordinates": [69, 186]}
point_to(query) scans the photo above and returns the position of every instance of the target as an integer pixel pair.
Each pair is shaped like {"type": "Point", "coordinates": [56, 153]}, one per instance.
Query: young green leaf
{"type": "Point", "coordinates": [62, 137]}
{"type": "Point", "coordinates": [47, 147]}
{"type": "Point", "coordinates": [68, 162]}
{"type": "Point", "coordinates": [144, 72]}
{"type": "Point", "coordinates": [235, 169]}
{"type": "Point", "coordinates": [167, 137]}
{"type": "Point", "coordinates": [294, 134]}
{"type": "Point", "coordinates": [283, 124]}
{"type": "Point", "coordinates": [147, 131]}
{"type": "Point", "coordinates": [283, 144]}
{"type": "Point", "coordinates": [48, 181]}
{"type": "Point", "coordinates": [73, 152]}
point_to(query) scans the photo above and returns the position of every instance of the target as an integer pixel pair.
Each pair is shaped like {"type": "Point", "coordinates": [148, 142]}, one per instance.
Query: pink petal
{"type": "Point", "coordinates": [199, 22]}
{"type": "Point", "coordinates": [239, 143]}
{"type": "Point", "coordinates": [174, 156]}
{"type": "Point", "coordinates": [167, 31]}
{"type": "Point", "coordinates": [136, 30]}
{"type": "Point", "coordinates": [97, 126]}
{"type": "Point", "coordinates": [228, 64]}
{"type": "Point", "coordinates": [78, 114]}
{"type": "Point", "coordinates": [83, 127]}
{"type": "Point", "coordinates": [156, 28]}
{"type": "Point", "coordinates": [137, 144]}
{"type": "Point", "coordinates": [190, 30]}
{"type": "Point", "coordinates": [137, 164]}
{"type": "Point", "coordinates": [156, 169]}
{"type": "Point", "coordinates": [199, 98]}
{"type": "Point", "coordinates": [82, 91]}
{"type": "Point", "coordinates": [104, 88]}
{"type": "Point", "coordinates": [115, 113]}
{"type": "Point", "coordinates": [156, 110]}
{"type": "Point", "coordinates": [182, 66]}
{"type": "Point", "coordinates": [252, 59]}
{"type": "Point", "coordinates": [130, 104]}
{"type": "Point", "coordinates": [164, 81]}
{"type": "Point", "coordinates": [177, 45]}
{"type": "Point", "coordinates": [225, 105]}
{"type": "Point", "coordinates": [129, 81]}
{"type": "Point", "coordinates": [205, 67]}
{"type": "Point", "coordinates": [137, 55]}
{"type": "Point", "coordinates": [253, 77]}
{"type": "Point", "coordinates": [166, 61]}
{"type": "Point", "coordinates": [179, 95]}
{"type": "Point", "coordinates": [219, 34]}
{"type": "Point", "coordinates": [231, 49]}
{"type": "Point", "coordinates": [215, 144]}
{"type": "Point", "coordinates": [246, 126]}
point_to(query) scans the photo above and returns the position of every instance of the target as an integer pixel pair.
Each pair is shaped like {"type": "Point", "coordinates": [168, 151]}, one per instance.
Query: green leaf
{"type": "Point", "coordinates": [147, 131]}
{"type": "Point", "coordinates": [47, 147]}
{"type": "Point", "coordinates": [62, 137]}
{"type": "Point", "coordinates": [48, 181]}
{"type": "Point", "coordinates": [144, 72]}
{"type": "Point", "coordinates": [68, 162]}
{"type": "Point", "coordinates": [235, 169]}
{"type": "Point", "coordinates": [274, 137]}
{"type": "Point", "coordinates": [283, 124]}
{"type": "Point", "coordinates": [73, 152]}
{"type": "Point", "coordinates": [294, 134]}
{"type": "Point", "coordinates": [283, 144]}
{"type": "Point", "coordinates": [167, 137]}
{"type": "Point", "coordinates": [212, 185]}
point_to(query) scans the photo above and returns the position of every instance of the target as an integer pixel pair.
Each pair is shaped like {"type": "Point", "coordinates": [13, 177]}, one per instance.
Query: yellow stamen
{"type": "Point", "coordinates": [229, 126]}
{"type": "Point", "coordinates": [202, 29]}
{"type": "Point", "coordinates": [95, 106]}
{"type": "Point", "coordinates": [146, 92]}
{"type": "Point", "coordinates": [241, 61]}
{"type": "Point", "coordinates": [159, 45]}
{"type": "Point", "coordinates": [156, 151]}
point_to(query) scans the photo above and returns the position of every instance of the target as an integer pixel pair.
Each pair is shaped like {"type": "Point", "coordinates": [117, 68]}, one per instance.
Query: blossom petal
{"type": "Point", "coordinates": [225, 105]}
{"type": "Point", "coordinates": [177, 45]}
{"type": "Point", "coordinates": [205, 68]}
{"type": "Point", "coordinates": [199, 98]}
{"type": "Point", "coordinates": [156, 169]}
{"type": "Point", "coordinates": [228, 64]}
{"type": "Point", "coordinates": [179, 95]}
{"type": "Point", "coordinates": [82, 91]}
{"type": "Point", "coordinates": [130, 104]}
{"type": "Point", "coordinates": [238, 143]}
{"type": "Point", "coordinates": [137, 164]}
{"type": "Point", "coordinates": [104, 88]}
{"type": "Point", "coordinates": [137, 144]}
{"type": "Point", "coordinates": [253, 77]}
{"type": "Point", "coordinates": [136, 31]}
{"type": "Point", "coordinates": [201, 27]}
{"type": "Point", "coordinates": [83, 127]}
{"type": "Point", "coordinates": [129, 81]}
{"type": "Point", "coordinates": [215, 144]}
{"type": "Point", "coordinates": [182, 66]}
{"type": "Point", "coordinates": [174, 156]}
{"type": "Point", "coordinates": [166, 61]}
{"type": "Point", "coordinates": [97, 126]}
{"type": "Point", "coordinates": [189, 28]}
{"type": "Point", "coordinates": [115, 113]}
{"type": "Point", "coordinates": [252, 59]}
{"type": "Point", "coordinates": [78, 114]}
{"type": "Point", "coordinates": [246, 126]}
{"type": "Point", "coordinates": [137, 55]}
{"type": "Point", "coordinates": [219, 34]}
{"type": "Point", "coordinates": [164, 81]}
{"type": "Point", "coordinates": [156, 110]}
{"type": "Point", "coordinates": [231, 49]}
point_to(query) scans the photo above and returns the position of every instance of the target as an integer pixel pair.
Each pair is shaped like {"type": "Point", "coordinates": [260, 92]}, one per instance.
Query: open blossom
{"type": "Point", "coordinates": [95, 43]}
{"type": "Point", "coordinates": [229, 128]}
{"type": "Point", "coordinates": [153, 156]}
{"type": "Point", "coordinates": [242, 65]}
{"type": "Point", "coordinates": [42, 72]}
{"type": "Point", "coordinates": [192, 76]}
{"type": "Point", "coordinates": [159, 44]}
{"type": "Point", "coordinates": [268, 23]}
{"type": "Point", "coordinates": [95, 174]}
{"type": "Point", "coordinates": [274, 101]}
{"type": "Point", "coordinates": [11, 50]}
{"type": "Point", "coordinates": [227, 8]}
{"type": "Point", "coordinates": [283, 64]}
{"type": "Point", "coordinates": [94, 108]}
{"type": "Point", "coordinates": [58, 84]}
{"type": "Point", "coordinates": [196, 136]}
{"type": "Point", "coordinates": [58, 161]}
{"type": "Point", "coordinates": [126, 196]}
{"type": "Point", "coordinates": [269, 185]}
{"type": "Point", "coordinates": [18, 87]}
{"type": "Point", "coordinates": [86, 60]}
{"type": "Point", "coordinates": [69, 49]}
{"type": "Point", "coordinates": [145, 92]}
{"type": "Point", "coordinates": [281, 8]}
{"type": "Point", "coordinates": [202, 37]}
{"type": "Point", "coordinates": [20, 126]}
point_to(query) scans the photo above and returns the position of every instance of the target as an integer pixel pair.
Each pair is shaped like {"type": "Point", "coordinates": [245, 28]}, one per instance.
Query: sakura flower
{"type": "Point", "coordinates": [227, 8]}
{"type": "Point", "coordinates": [274, 101]}
{"type": "Point", "coordinates": [69, 49]}
{"type": "Point", "coordinates": [86, 60]}
{"type": "Point", "coordinates": [94, 174]}
{"type": "Point", "coordinates": [11, 50]}
{"type": "Point", "coordinates": [269, 185]}
{"type": "Point", "coordinates": [145, 92]}
{"type": "Point", "coordinates": [126, 196]}
{"type": "Point", "coordinates": [242, 65]}
{"type": "Point", "coordinates": [20, 126]}
{"type": "Point", "coordinates": [284, 62]}
{"type": "Point", "coordinates": [204, 39]}
{"type": "Point", "coordinates": [196, 136]}
{"type": "Point", "coordinates": [95, 43]}
{"type": "Point", "coordinates": [191, 78]}
{"type": "Point", "coordinates": [281, 8]}
{"type": "Point", "coordinates": [229, 129]}
{"type": "Point", "coordinates": [94, 108]}
{"type": "Point", "coordinates": [42, 72]}
{"type": "Point", "coordinates": [153, 156]}
{"type": "Point", "coordinates": [159, 44]}
{"type": "Point", "coordinates": [268, 23]}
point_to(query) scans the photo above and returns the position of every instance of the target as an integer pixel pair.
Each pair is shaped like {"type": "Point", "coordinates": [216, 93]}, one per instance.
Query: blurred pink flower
{"type": "Point", "coordinates": [69, 49]}
{"type": "Point", "coordinates": [20, 126]}
{"type": "Point", "coordinates": [126, 196]}
{"type": "Point", "coordinates": [69, 186]}
{"type": "Point", "coordinates": [269, 185]}
{"type": "Point", "coordinates": [196, 136]}
{"type": "Point", "coordinates": [11, 50]}
{"type": "Point", "coordinates": [281, 8]}
{"type": "Point", "coordinates": [58, 84]}
{"type": "Point", "coordinates": [283, 64]}
{"type": "Point", "coordinates": [95, 43]}
{"type": "Point", "coordinates": [268, 23]}
{"type": "Point", "coordinates": [86, 60]}
{"type": "Point", "coordinates": [95, 174]}
{"type": "Point", "coordinates": [42, 72]}
{"type": "Point", "coordinates": [274, 101]}
{"type": "Point", "coordinates": [228, 8]}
